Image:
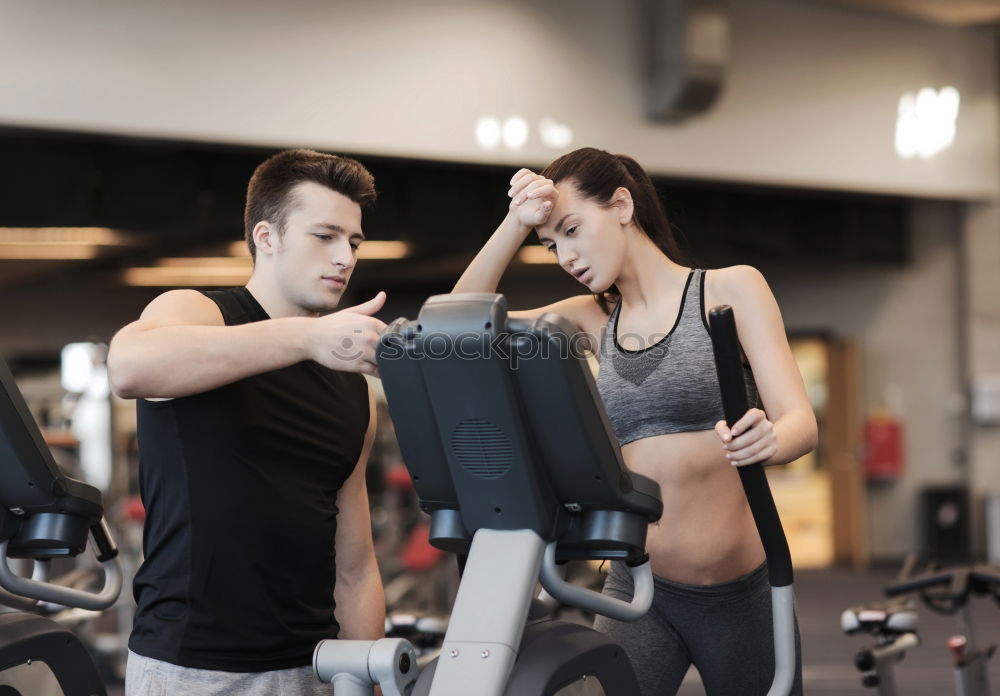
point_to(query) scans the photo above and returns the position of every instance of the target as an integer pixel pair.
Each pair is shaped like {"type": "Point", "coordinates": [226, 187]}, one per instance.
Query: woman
{"type": "Point", "coordinates": [601, 217]}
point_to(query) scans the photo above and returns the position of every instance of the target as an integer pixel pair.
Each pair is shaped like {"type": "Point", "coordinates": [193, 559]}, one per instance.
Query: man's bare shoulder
{"type": "Point", "coordinates": [182, 307]}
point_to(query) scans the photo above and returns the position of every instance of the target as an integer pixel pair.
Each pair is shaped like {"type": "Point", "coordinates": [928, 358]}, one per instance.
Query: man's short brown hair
{"type": "Point", "coordinates": [269, 194]}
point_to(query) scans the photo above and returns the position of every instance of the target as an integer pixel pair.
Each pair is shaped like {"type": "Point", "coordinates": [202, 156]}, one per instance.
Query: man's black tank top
{"type": "Point", "coordinates": [240, 486]}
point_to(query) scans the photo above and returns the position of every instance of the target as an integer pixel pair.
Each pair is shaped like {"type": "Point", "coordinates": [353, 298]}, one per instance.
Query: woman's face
{"type": "Point", "coordinates": [587, 238]}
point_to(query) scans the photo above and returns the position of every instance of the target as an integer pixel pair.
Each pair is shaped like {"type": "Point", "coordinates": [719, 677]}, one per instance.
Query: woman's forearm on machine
{"type": "Point", "coordinates": [795, 434]}
{"type": "Point", "coordinates": [485, 271]}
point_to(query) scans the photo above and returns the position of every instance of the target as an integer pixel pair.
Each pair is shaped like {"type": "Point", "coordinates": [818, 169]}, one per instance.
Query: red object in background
{"type": "Point", "coordinates": [398, 477]}
{"type": "Point", "coordinates": [884, 457]}
{"type": "Point", "coordinates": [418, 555]}
{"type": "Point", "coordinates": [133, 510]}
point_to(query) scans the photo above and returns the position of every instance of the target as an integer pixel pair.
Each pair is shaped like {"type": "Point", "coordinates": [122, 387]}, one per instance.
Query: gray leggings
{"type": "Point", "coordinates": [724, 630]}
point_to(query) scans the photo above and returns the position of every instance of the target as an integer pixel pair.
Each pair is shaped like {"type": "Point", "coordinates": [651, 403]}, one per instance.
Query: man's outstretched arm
{"type": "Point", "coordinates": [181, 346]}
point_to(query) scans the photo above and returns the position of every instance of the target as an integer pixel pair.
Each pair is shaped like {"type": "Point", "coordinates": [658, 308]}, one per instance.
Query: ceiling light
{"type": "Point", "coordinates": [369, 250]}
{"type": "Point", "coordinates": [206, 261]}
{"type": "Point", "coordinates": [48, 252]}
{"type": "Point", "coordinates": [925, 122]}
{"type": "Point", "coordinates": [186, 276]}
{"type": "Point", "coordinates": [376, 249]}
{"type": "Point", "coordinates": [488, 132]}
{"type": "Point", "coordinates": [515, 132]}
{"type": "Point", "coordinates": [536, 253]}
{"type": "Point", "coordinates": [59, 243]}
{"type": "Point", "coordinates": [101, 236]}
{"type": "Point", "coordinates": [554, 134]}
{"type": "Point", "coordinates": [212, 271]}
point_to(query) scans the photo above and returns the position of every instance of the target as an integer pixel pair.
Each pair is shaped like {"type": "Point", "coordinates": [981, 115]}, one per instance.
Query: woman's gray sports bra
{"type": "Point", "coordinates": [671, 386]}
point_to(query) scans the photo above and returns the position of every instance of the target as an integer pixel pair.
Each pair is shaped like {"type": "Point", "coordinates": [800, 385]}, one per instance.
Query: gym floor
{"type": "Point", "coordinates": [828, 654]}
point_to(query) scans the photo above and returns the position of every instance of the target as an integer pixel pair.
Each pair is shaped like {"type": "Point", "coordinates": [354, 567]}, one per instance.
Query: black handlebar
{"type": "Point", "coordinates": [729, 367]}
{"type": "Point", "coordinates": [961, 582]}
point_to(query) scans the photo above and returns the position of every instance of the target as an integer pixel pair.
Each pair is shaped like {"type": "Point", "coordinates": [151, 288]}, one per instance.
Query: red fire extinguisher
{"type": "Point", "coordinates": [884, 455]}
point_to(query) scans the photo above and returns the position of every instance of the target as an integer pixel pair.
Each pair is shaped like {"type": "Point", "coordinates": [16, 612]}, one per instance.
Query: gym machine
{"type": "Point", "coordinates": [43, 516]}
{"type": "Point", "coordinates": [510, 451]}
{"type": "Point", "coordinates": [894, 625]}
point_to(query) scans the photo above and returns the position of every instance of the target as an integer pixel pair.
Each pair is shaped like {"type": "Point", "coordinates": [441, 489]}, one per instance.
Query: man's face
{"type": "Point", "coordinates": [316, 254]}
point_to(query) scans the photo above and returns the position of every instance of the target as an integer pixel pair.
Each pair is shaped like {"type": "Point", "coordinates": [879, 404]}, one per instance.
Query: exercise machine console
{"type": "Point", "coordinates": [44, 515]}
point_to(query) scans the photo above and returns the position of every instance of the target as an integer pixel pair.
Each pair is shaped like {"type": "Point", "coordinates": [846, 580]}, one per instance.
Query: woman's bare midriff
{"type": "Point", "coordinates": [706, 535]}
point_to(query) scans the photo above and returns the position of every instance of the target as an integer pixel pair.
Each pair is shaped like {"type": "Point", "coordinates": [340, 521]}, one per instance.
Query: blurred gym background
{"type": "Point", "coordinates": [850, 149]}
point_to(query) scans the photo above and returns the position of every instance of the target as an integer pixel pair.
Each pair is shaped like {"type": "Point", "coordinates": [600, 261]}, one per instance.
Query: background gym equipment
{"type": "Point", "coordinates": [509, 448]}
{"type": "Point", "coordinates": [894, 625]}
{"type": "Point", "coordinates": [43, 516]}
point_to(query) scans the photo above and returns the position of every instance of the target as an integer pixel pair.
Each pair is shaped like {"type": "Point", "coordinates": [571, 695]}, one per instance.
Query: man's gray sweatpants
{"type": "Point", "coordinates": [145, 676]}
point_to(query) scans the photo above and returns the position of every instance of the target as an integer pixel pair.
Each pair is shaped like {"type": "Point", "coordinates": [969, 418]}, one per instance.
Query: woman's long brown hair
{"type": "Point", "coordinates": [597, 174]}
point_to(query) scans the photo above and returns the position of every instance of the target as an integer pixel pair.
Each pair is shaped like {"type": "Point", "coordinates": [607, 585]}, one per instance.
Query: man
{"type": "Point", "coordinates": [254, 429]}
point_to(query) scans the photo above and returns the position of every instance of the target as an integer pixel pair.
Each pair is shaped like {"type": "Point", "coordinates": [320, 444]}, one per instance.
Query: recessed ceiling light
{"type": "Point", "coordinates": [926, 122]}
{"type": "Point", "coordinates": [515, 132]}
{"type": "Point", "coordinates": [488, 132]}
{"type": "Point", "coordinates": [536, 254]}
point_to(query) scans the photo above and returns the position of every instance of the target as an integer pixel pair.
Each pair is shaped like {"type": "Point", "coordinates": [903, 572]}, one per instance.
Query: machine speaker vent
{"type": "Point", "coordinates": [481, 448]}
